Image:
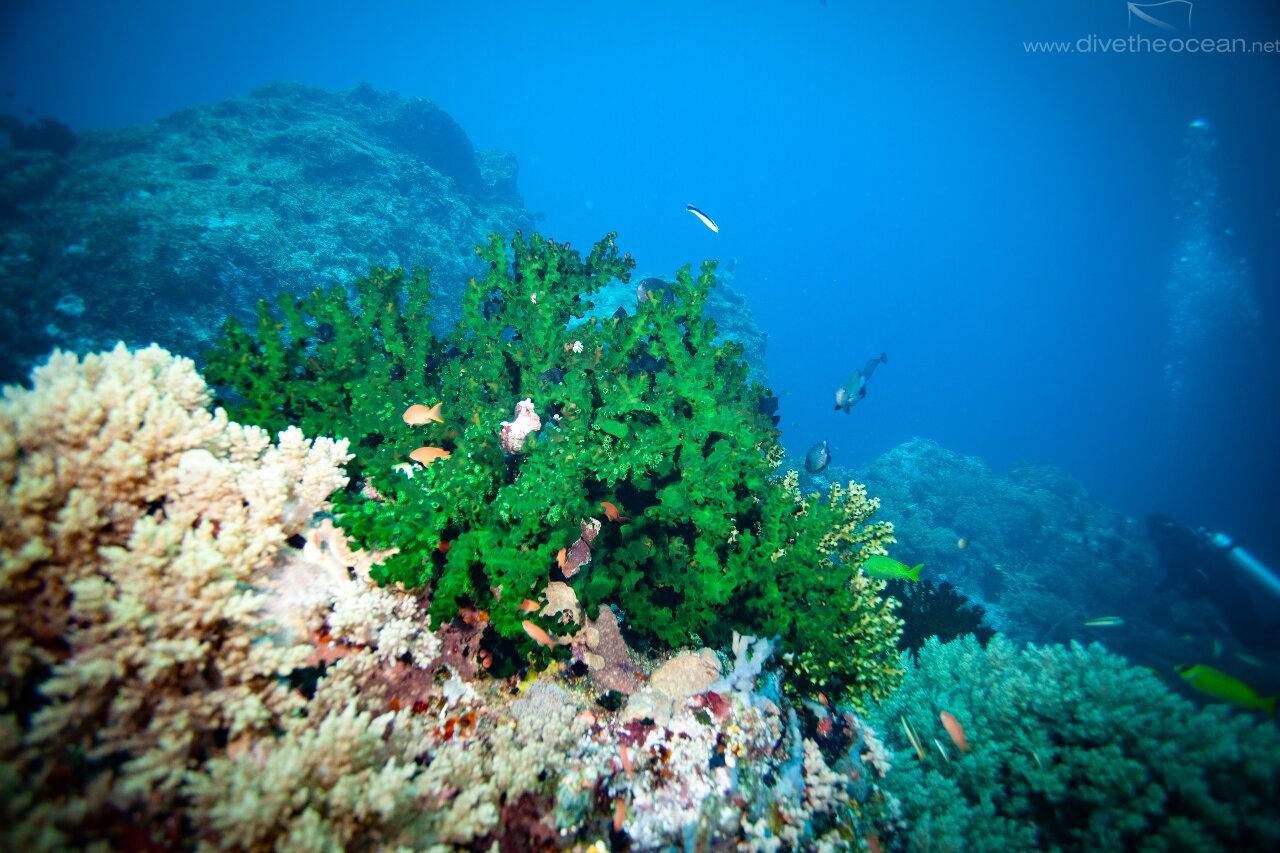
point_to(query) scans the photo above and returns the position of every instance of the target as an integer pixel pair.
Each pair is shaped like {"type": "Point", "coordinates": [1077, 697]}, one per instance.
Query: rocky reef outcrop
{"type": "Point", "coordinates": [157, 232]}
{"type": "Point", "coordinates": [1030, 546]}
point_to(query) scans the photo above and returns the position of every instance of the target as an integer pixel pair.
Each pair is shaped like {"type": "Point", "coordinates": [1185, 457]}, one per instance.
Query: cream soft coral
{"type": "Point", "coordinates": [137, 530]}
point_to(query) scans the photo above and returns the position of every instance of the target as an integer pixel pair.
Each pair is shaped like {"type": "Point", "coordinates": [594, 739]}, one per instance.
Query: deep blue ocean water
{"type": "Point", "coordinates": [909, 178]}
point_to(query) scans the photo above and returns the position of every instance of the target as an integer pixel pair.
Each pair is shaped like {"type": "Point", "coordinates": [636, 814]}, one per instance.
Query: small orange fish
{"type": "Point", "coordinates": [427, 455]}
{"type": "Point", "coordinates": [560, 557]}
{"type": "Point", "coordinates": [467, 724]}
{"type": "Point", "coordinates": [619, 814]}
{"type": "Point", "coordinates": [529, 605]}
{"type": "Point", "coordinates": [420, 414]}
{"type": "Point", "coordinates": [626, 760]}
{"type": "Point", "coordinates": [952, 725]}
{"type": "Point", "coordinates": [611, 512]}
{"type": "Point", "coordinates": [474, 617]}
{"type": "Point", "coordinates": [443, 547]}
{"type": "Point", "coordinates": [539, 636]}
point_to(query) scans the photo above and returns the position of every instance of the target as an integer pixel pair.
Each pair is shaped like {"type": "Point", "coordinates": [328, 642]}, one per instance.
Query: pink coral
{"type": "Point", "coordinates": [515, 432]}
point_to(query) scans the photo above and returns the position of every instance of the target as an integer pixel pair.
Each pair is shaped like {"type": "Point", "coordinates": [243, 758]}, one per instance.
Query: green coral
{"type": "Point", "coordinates": [1074, 748]}
{"type": "Point", "coordinates": [642, 410]}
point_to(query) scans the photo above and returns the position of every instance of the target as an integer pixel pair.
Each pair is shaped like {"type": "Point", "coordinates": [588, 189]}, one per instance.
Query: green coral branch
{"type": "Point", "coordinates": [1073, 748]}
{"type": "Point", "coordinates": [641, 410]}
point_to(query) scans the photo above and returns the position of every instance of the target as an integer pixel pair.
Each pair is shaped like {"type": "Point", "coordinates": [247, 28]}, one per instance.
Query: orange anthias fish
{"type": "Point", "coordinates": [529, 605]}
{"type": "Point", "coordinates": [420, 414]}
{"type": "Point", "coordinates": [539, 636]}
{"type": "Point", "coordinates": [953, 727]}
{"type": "Point", "coordinates": [611, 512]}
{"type": "Point", "coordinates": [427, 455]}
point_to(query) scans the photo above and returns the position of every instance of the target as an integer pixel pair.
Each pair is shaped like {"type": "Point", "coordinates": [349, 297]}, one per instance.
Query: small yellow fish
{"type": "Point", "coordinates": [1219, 685]}
{"type": "Point", "coordinates": [912, 738]}
{"type": "Point", "coordinates": [1104, 622]}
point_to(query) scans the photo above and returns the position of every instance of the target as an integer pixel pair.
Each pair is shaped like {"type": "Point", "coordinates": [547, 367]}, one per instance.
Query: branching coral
{"type": "Point", "coordinates": [642, 413]}
{"type": "Point", "coordinates": [321, 785]}
{"type": "Point", "coordinates": [163, 621]}
{"type": "Point", "coordinates": [931, 609]}
{"type": "Point", "coordinates": [137, 530]}
{"type": "Point", "coordinates": [1073, 748]}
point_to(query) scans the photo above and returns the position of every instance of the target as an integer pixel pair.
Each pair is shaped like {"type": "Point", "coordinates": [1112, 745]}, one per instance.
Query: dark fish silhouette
{"type": "Point", "coordinates": [644, 363]}
{"type": "Point", "coordinates": [769, 408]}
{"type": "Point", "coordinates": [656, 290]}
{"type": "Point", "coordinates": [818, 457]}
{"type": "Point", "coordinates": [854, 388]}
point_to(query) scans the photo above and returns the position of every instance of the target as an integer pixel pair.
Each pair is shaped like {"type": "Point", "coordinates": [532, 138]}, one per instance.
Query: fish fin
{"type": "Point", "coordinates": [914, 574]}
{"type": "Point", "coordinates": [884, 358]}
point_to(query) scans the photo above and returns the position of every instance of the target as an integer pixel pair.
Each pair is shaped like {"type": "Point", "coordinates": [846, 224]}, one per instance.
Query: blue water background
{"type": "Point", "coordinates": [893, 176]}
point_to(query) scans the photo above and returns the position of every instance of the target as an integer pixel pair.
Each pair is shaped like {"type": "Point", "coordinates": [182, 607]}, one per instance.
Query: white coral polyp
{"type": "Point", "coordinates": [515, 432]}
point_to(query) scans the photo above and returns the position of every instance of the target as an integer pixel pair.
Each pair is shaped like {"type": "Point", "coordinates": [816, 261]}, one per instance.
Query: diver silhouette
{"type": "Point", "coordinates": [1244, 592]}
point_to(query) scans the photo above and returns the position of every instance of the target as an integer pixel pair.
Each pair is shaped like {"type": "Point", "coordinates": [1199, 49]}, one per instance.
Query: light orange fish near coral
{"type": "Point", "coordinates": [611, 512]}
{"type": "Point", "coordinates": [539, 636]}
{"type": "Point", "coordinates": [427, 455]}
{"type": "Point", "coordinates": [420, 414]}
{"type": "Point", "coordinates": [953, 727]}
{"type": "Point", "coordinates": [529, 605]}
{"type": "Point", "coordinates": [472, 616]}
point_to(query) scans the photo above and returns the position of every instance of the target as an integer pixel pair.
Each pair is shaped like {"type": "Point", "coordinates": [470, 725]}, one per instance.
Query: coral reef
{"type": "Point", "coordinates": [645, 422]}
{"type": "Point", "coordinates": [1072, 748]}
{"type": "Point", "coordinates": [195, 660]}
{"type": "Point", "coordinates": [1031, 547]}
{"type": "Point", "coordinates": [158, 232]}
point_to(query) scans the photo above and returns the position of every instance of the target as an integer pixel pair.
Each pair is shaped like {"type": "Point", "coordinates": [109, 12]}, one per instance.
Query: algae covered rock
{"type": "Point", "coordinates": [162, 230]}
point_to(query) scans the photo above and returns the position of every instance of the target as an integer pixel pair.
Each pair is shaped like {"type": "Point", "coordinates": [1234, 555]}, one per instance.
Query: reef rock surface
{"type": "Point", "coordinates": [157, 232]}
